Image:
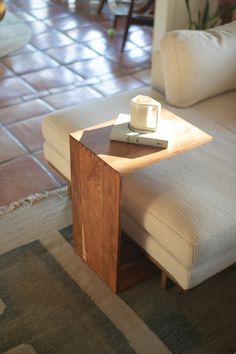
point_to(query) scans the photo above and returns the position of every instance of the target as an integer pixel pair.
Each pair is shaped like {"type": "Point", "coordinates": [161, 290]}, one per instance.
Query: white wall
{"type": "Point", "coordinates": [172, 14]}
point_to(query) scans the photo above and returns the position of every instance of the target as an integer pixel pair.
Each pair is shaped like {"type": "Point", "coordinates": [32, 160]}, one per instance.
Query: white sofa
{"type": "Point", "coordinates": [182, 211]}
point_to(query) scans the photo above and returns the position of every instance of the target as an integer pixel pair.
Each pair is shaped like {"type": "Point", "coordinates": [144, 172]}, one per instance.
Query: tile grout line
{"type": "Point", "coordinates": [13, 136]}
{"type": "Point", "coordinates": [44, 168]}
{"type": "Point", "coordinates": [28, 15]}
{"type": "Point", "coordinates": [28, 153]}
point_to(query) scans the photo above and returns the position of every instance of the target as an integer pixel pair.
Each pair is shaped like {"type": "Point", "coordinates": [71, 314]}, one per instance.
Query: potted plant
{"type": "Point", "coordinates": [205, 20]}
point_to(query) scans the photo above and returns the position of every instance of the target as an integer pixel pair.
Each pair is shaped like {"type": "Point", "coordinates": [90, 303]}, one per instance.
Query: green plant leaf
{"type": "Point", "coordinates": [199, 20]}
{"type": "Point", "coordinates": [205, 17]}
{"type": "Point", "coordinates": [189, 14]}
{"type": "Point", "coordinates": [205, 21]}
{"type": "Point", "coordinates": [219, 13]}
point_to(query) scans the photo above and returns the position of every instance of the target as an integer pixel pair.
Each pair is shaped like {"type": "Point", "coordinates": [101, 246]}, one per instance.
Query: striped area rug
{"type": "Point", "coordinates": [51, 302]}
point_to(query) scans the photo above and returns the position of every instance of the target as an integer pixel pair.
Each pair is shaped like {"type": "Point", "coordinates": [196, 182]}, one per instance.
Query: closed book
{"type": "Point", "coordinates": [121, 132]}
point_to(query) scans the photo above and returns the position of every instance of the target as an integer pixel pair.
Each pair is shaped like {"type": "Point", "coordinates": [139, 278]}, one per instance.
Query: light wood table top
{"type": "Point", "coordinates": [126, 158]}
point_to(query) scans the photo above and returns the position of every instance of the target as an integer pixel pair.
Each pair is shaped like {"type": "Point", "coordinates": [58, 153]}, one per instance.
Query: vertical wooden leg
{"type": "Point", "coordinates": [126, 31]}
{"type": "Point", "coordinates": [164, 279]}
{"type": "Point", "coordinates": [128, 22]}
{"type": "Point", "coordinates": [96, 200]}
{"type": "Point", "coordinates": [100, 6]}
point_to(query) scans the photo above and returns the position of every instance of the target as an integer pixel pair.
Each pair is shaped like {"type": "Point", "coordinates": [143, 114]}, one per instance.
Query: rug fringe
{"type": "Point", "coordinates": [32, 199]}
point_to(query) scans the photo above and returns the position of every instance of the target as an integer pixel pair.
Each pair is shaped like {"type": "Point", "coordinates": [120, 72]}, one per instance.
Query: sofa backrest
{"type": "Point", "coordinates": [195, 65]}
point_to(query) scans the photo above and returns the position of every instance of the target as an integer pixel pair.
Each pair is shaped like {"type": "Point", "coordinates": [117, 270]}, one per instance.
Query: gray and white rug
{"type": "Point", "coordinates": [51, 302]}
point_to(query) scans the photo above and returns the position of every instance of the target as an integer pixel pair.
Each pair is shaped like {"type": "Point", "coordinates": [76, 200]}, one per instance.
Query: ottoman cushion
{"type": "Point", "coordinates": [182, 211]}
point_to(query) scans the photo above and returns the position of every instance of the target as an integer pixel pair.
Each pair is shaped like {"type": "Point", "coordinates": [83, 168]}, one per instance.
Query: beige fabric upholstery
{"type": "Point", "coordinates": [182, 211]}
{"type": "Point", "coordinates": [221, 108]}
{"type": "Point", "coordinates": [183, 208]}
{"type": "Point", "coordinates": [198, 64]}
{"type": "Point", "coordinates": [57, 160]}
{"type": "Point", "coordinates": [189, 220]}
{"type": "Point", "coordinates": [186, 277]}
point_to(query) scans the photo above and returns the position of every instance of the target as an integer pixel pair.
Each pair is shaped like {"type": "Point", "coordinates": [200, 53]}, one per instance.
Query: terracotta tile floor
{"type": "Point", "coordinates": [56, 69]}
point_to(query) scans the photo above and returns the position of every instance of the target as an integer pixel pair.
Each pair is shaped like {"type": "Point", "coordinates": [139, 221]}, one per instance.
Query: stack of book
{"type": "Point", "coordinates": [122, 132]}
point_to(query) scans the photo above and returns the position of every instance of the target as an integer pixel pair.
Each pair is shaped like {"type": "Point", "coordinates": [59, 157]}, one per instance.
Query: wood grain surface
{"type": "Point", "coordinates": [126, 158]}
{"type": "Point", "coordinates": [96, 212]}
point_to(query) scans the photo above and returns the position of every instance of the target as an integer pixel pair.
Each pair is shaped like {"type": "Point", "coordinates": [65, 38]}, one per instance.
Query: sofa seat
{"type": "Point", "coordinates": [181, 211]}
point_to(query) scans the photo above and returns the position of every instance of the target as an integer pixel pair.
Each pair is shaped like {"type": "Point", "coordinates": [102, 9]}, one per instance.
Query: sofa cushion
{"type": "Point", "coordinates": [221, 108]}
{"type": "Point", "coordinates": [188, 223]}
{"type": "Point", "coordinates": [187, 261]}
{"type": "Point", "coordinates": [198, 64]}
{"type": "Point", "coordinates": [186, 277]}
{"type": "Point", "coordinates": [190, 199]}
{"type": "Point", "coordinates": [187, 204]}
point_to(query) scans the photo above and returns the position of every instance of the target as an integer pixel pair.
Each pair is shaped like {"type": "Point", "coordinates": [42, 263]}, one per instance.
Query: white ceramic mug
{"type": "Point", "coordinates": [145, 113]}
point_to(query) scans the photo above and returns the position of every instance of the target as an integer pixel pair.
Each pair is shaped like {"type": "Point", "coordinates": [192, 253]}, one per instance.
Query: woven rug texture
{"type": "Point", "coordinates": [51, 302]}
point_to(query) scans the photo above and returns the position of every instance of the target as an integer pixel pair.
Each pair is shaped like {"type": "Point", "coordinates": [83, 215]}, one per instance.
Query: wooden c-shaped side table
{"type": "Point", "coordinates": [97, 170]}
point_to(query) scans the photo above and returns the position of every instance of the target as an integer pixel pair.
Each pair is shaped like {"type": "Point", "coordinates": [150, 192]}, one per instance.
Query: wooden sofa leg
{"type": "Point", "coordinates": [164, 279]}
{"type": "Point", "coordinates": [100, 6]}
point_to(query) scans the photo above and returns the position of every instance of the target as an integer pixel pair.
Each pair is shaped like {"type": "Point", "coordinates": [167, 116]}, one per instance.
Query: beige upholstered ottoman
{"type": "Point", "coordinates": [181, 211]}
